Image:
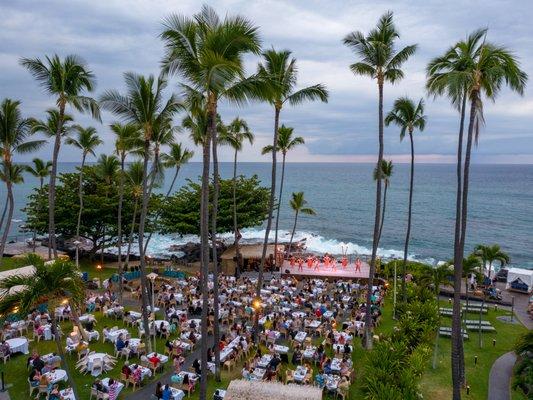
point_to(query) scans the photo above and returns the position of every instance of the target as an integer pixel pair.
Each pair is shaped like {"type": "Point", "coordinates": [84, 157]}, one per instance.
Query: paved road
{"type": "Point", "coordinates": [500, 377]}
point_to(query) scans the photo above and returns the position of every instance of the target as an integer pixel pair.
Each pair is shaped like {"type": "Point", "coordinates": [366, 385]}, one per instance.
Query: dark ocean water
{"type": "Point", "coordinates": [500, 207]}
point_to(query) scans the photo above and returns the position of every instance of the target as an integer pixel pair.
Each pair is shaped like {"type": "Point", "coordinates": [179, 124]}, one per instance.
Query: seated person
{"type": "Point", "coordinates": [126, 370]}
{"type": "Point", "coordinates": [120, 344]}
{"type": "Point", "coordinates": [197, 367]}
{"type": "Point", "coordinates": [97, 384]}
{"type": "Point", "coordinates": [54, 393]}
{"type": "Point", "coordinates": [34, 377]}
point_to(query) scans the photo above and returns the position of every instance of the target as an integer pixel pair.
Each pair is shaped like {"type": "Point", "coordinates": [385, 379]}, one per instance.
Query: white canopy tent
{"type": "Point", "coordinates": [23, 271]}
{"type": "Point", "coordinates": [525, 275]}
{"type": "Point", "coordinates": [253, 390]}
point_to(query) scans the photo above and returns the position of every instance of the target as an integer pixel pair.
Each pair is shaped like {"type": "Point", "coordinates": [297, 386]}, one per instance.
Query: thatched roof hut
{"type": "Point", "coordinates": [248, 252]}
{"type": "Point", "coordinates": [253, 390]}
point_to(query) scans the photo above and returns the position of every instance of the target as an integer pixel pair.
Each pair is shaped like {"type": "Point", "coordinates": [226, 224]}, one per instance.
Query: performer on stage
{"type": "Point", "coordinates": [344, 262]}
{"type": "Point", "coordinates": [333, 264]}
{"type": "Point", "coordinates": [317, 264]}
{"type": "Point", "coordinates": [292, 261]}
{"type": "Point", "coordinates": [300, 264]}
{"type": "Point", "coordinates": [310, 262]}
{"type": "Point", "coordinates": [358, 265]}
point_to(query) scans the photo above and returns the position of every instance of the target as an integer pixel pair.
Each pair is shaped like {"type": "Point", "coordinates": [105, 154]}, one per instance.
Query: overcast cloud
{"type": "Point", "coordinates": [115, 36]}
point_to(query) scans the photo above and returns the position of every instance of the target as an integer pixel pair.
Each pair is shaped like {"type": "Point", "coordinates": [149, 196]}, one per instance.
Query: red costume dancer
{"type": "Point", "coordinates": [292, 262]}
{"type": "Point", "coordinates": [358, 265]}
{"type": "Point", "coordinates": [344, 262]}
{"type": "Point", "coordinates": [300, 264]}
{"type": "Point", "coordinates": [333, 264]}
{"type": "Point", "coordinates": [309, 262]}
{"type": "Point", "coordinates": [317, 264]}
{"type": "Point", "coordinates": [326, 261]}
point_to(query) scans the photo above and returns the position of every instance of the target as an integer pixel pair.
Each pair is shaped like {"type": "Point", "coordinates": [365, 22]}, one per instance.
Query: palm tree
{"type": "Point", "coordinates": [479, 69]}
{"type": "Point", "coordinates": [299, 205]}
{"type": "Point", "coordinates": [491, 253]}
{"type": "Point", "coordinates": [208, 53]}
{"type": "Point", "coordinates": [437, 276]}
{"type": "Point", "coordinates": [66, 80]}
{"type": "Point", "coordinates": [39, 170]}
{"type": "Point", "coordinates": [379, 60]}
{"type": "Point", "coordinates": [134, 175]}
{"type": "Point", "coordinates": [175, 158]}
{"type": "Point", "coordinates": [408, 117]}
{"type": "Point", "coordinates": [52, 285]}
{"type": "Point", "coordinates": [14, 133]}
{"type": "Point", "coordinates": [279, 71]}
{"type": "Point", "coordinates": [471, 264]}
{"type": "Point", "coordinates": [11, 173]}
{"type": "Point", "coordinates": [127, 140]}
{"type": "Point", "coordinates": [285, 143]}
{"type": "Point", "coordinates": [107, 168]}
{"type": "Point", "coordinates": [143, 105]}
{"type": "Point", "coordinates": [448, 75]}
{"type": "Point", "coordinates": [386, 174]}
{"type": "Point", "coordinates": [236, 133]}
{"type": "Point", "coordinates": [87, 141]}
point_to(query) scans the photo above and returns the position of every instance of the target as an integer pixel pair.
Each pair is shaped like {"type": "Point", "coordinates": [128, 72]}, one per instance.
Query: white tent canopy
{"type": "Point", "coordinates": [250, 390]}
{"type": "Point", "coordinates": [23, 271]}
{"type": "Point", "coordinates": [525, 275]}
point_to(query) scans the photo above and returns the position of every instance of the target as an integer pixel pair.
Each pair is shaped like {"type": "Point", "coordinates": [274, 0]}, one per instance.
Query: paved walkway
{"type": "Point", "coordinates": [500, 377]}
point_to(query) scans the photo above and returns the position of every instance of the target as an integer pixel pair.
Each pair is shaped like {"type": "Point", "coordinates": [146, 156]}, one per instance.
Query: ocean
{"type": "Point", "coordinates": [500, 208]}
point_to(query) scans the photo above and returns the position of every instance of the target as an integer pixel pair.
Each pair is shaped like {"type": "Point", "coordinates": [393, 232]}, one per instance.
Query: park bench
{"type": "Point", "coordinates": [483, 328]}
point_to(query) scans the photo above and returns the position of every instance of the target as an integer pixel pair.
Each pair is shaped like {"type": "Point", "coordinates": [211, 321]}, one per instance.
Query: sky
{"type": "Point", "coordinates": [115, 36]}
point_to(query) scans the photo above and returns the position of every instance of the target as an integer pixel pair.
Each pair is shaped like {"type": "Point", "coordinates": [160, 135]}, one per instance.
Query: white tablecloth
{"type": "Point", "coordinates": [112, 336]}
{"type": "Point", "coordinates": [57, 376]}
{"type": "Point", "coordinates": [18, 345]}
{"type": "Point", "coordinates": [67, 394]}
{"type": "Point", "coordinates": [300, 336]}
{"type": "Point", "coordinates": [162, 358]}
{"type": "Point", "coordinates": [177, 394]}
{"type": "Point", "coordinates": [105, 383]}
{"type": "Point", "coordinates": [299, 374]}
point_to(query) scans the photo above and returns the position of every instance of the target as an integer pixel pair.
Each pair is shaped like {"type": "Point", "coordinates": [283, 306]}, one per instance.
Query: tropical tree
{"type": "Point", "coordinates": [127, 140]}
{"type": "Point", "coordinates": [107, 168]}
{"type": "Point", "coordinates": [236, 133]}
{"type": "Point", "coordinates": [385, 173]}
{"type": "Point", "coordinates": [479, 69]}
{"type": "Point", "coordinates": [299, 206]}
{"type": "Point", "coordinates": [286, 142]}
{"type": "Point", "coordinates": [448, 75]}
{"type": "Point", "coordinates": [379, 60]}
{"type": "Point", "coordinates": [207, 52]}
{"type": "Point", "coordinates": [175, 158]}
{"type": "Point", "coordinates": [489, 254]}
{"type": "Point", "coordinates": [67, 80]}
{"type": "Point", "coordinates": [40, 170]}
{"type": "Point", "coordinates": [14, 133]}
{"type": "Point", "coordinates": [279, 71]}
{"type": "Point", "coordinates": [52, 285]}
{"type": "Point", "coordinates": [144, 106]}
{"type": "Point", "coordinates": [408, 116]}
{"type": "Point", "coordinates": [12, 174]}
{"type": "Point", "coordinates": [134, 176]}
{"type": "Point", "coordinates": [87, 141]}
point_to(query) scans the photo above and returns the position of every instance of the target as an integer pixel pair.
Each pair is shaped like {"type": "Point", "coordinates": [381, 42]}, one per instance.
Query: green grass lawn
{"type": "Point", "coordinates": [436, 383]}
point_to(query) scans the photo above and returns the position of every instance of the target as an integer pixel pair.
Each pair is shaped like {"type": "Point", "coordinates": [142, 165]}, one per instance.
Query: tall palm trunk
{"type": "Point", "coordinates": [130, 239]}
{"type": "Point", "coordinates": [34, 239]}
{"type": "Point", "coordinates": [293, 230]}
{"type": "Point", "coordinates": [204, 245]}
{"type": "Point", "coordinates": [279, 207]}
{"type": "Point", "coordinates": [216, 189]}
{"type": "Point", "coordinates": [457, 359]}
{"type": "Point", "coordinates": [153, 176]}
{"type": "Point", "coordinates": [166, 197]}
{"type": "Point", "coordinates": [11, 203]}
{"type": "Point", "coordinates": [386, 187]}
{"type": "Point", "coordinates": [409, 216]}
{"type": "Point", "coordinates": [270, 209]}
{"type": "Point", "coordinates": [52, 246]}
{"type": "Point", "coordinates": [377, 218]}
{"type": "Point", "coordinates": [142, 222]}
{"type": "Point", "coordinates": [119, 227]}
{"type": "Point", "coordinates": [4, 212]}
{"type": "Point", "coordinates": [80, 195]}
{"type": "Point", "coordinates": [76, 321]}
{"type": "Point", "coordinates": [61, 354]}
{"type": "Point", "coordinates": [235, 225]}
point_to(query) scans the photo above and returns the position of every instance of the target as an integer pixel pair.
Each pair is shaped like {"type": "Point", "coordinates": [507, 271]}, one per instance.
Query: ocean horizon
{"type": "Point", "coordinates": [343, 195]}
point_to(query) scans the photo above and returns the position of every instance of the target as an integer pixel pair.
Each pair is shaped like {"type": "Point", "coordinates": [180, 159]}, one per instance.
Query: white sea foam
{"type": "Point", "coordinates": [159, 245]}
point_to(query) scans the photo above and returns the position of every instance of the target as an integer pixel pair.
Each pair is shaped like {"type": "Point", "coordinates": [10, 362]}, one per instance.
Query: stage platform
{"type": "Point", "coordinates": [339, 273]}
